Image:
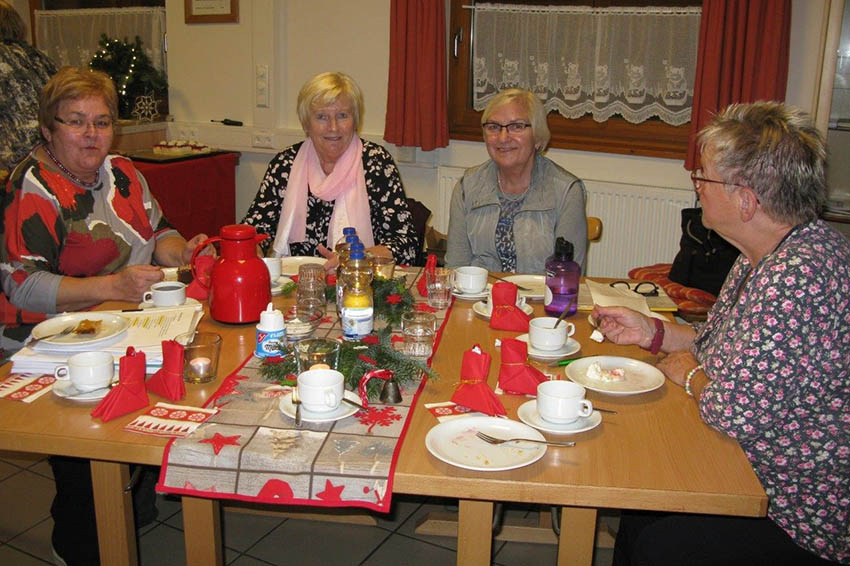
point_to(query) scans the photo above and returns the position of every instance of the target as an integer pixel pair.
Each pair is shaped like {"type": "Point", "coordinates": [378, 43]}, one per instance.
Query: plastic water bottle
{"type": "Point", "coordinates": [342, 250]}
{"type": "Point", "coordinates": [271, 333]}
{"type": "Point", "coordinates": [562, 279]}
{"type": "Point", "coordinates": [357, 306]}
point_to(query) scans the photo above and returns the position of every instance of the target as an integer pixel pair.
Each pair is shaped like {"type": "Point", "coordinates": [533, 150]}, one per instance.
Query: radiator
{"type": "Point", "coordinates": [640, 225]}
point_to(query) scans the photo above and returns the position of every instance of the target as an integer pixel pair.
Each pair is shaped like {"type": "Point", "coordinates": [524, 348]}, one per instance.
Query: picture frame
{"type": "Point", "coordinates": [211, 11]}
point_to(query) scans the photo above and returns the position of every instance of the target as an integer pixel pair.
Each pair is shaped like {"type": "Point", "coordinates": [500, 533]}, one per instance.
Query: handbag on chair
{"type": "Point", "coordinates": [704, 258]}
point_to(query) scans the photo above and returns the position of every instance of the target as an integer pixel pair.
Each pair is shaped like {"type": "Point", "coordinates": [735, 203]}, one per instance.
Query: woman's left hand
{"type": "Point", "coordinates": [189, 249]}
{"type": "Point", "coordinates": [332, 258]}
{"type": "Point", "coordinates": [677, 365]}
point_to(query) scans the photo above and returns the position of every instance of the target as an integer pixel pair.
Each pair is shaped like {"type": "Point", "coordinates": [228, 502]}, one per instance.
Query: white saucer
{"type": "Point", "coordinates": [472, 296]}
{"type": "Point", "coordinates": [571, 347]}
{"type": "Point", "coordinates": [528, 414]}
{"type": "Point", "coordinates": [482, 309]}
{"type": "Point", "coordinates": [189, 301]}
{"type": "Point", "coordinates": [66, 390]}
{"type": "Point", "coordinates": [344, 410]}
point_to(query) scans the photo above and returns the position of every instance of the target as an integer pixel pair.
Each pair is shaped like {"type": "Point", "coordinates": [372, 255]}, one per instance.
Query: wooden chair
{"type": "Point", "coordinates": [594, 229]}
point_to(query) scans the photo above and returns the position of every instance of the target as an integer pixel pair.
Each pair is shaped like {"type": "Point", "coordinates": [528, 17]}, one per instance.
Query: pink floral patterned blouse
{"type": "Point", "coordinates": [776, 347]}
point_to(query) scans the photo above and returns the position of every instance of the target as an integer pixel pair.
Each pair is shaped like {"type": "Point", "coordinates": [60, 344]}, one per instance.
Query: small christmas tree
{"type": "Point", "coordinates": [131, 69]}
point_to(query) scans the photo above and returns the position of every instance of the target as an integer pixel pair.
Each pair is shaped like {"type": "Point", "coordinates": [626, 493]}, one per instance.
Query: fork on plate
{"type": "Point", "coordinates": [59, 334]}
{"type": "Point", "coordinates": [493, 440]}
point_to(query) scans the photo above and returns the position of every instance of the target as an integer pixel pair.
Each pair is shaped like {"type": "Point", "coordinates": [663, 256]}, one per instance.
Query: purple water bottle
{"type": "Point", "coordinates": [562, 278]}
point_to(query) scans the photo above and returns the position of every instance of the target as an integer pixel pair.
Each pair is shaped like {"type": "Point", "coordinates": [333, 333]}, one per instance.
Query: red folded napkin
{"type": "Point", "coordinates": [130, 394]}
{"type": "Point", "coordinates": [505, 314]}
{"type": "Point", "coordinates": [473, 391]}
{"type": "Point", "coordinates": [168, 380]}
{"type": "Point", "coordinates": [199, 288]}
{"type": "Point", "coordinates": [515, 375]}
{"type": "Point", "coordinates": [430, 265]}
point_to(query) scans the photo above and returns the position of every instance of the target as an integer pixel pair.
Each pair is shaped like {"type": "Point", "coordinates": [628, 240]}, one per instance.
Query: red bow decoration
{"type": "Point", "coordinates": [384, 374]}
{"type": "Point", "coordinates": [506, 315]}
{"type": "Point", "coordinates": [473, 391]}
{"type": "Point", "coordinates": [168, 380]}
{"type": "Point", "coordinates": [199, 288]}
{"type": "Point", "coordinates": [130, 394]}
{"type": "Point", "coordinates": [430, 265]}
{"type": "Point", "coordinates": [515, 375]}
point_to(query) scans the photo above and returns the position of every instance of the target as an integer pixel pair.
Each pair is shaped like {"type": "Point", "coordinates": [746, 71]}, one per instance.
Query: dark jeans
{"type": "Point", "coordinates": [74, 526]}
{"type": "Point", "coordinates": [705, 540]}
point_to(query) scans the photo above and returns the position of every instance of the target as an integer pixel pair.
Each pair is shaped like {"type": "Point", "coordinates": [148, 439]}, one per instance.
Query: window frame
{"type": "Point", "coordinates": [652, 138]}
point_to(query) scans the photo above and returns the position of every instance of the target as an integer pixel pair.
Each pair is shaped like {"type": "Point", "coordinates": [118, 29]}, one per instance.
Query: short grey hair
{"type": "Point", "coordinates": [776, 150]}
{"type": "Point", "coordinates": [536, 113]}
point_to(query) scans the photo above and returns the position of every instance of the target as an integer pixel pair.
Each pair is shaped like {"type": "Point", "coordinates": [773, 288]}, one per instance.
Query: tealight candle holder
{"type": "Point", "coordinates": [200, 356]}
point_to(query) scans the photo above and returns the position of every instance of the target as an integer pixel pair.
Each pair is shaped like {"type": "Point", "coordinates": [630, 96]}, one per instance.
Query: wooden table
{"type": "Point", "coordinates": [654, 454]}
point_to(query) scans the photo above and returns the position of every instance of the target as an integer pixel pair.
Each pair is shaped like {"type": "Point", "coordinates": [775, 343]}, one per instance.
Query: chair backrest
{"type": "Point", "coordinates": [594, 229]}
{"type": "Point", "coordinates": [421, 214]}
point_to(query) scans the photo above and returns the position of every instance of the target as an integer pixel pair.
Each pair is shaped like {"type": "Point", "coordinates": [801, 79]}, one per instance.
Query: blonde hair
{"type": "Point", "coordinates": [325, 89]}
{"type": "Point", "coordinates": [11, 24]}
{"type": "Point", "coordinates": [531, 104]}
{"type": "Point", "coordinates": [74, 83]}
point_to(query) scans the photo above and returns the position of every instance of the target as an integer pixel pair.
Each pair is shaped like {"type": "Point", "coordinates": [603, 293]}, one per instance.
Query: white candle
{"type": "Point", "coordinates": [200, 365]}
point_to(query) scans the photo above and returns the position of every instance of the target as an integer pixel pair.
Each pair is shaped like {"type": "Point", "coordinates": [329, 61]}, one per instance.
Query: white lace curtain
{"type": "Point", "coordinates": [635, 62]}
{"type": "Point", "coordinates": [70, 37]}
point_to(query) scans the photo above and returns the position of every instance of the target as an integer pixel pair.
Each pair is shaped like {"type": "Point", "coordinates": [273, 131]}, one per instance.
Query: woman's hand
{"type": "Point", "coordinates": [133, 281]}
{"type": "Point", "coordinates": [332, 258]}
{"type": "Point", "coordinates": [622, 325]}
{"type": "Point", "coordinates": [677, 365]}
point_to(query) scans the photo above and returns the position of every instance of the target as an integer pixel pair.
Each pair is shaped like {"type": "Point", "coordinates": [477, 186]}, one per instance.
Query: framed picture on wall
{"type": "Point", "coordinates": [211, 11]}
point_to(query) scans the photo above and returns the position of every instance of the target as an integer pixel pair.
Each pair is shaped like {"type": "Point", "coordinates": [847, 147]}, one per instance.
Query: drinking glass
{"type": "Point", "coordinates": [418, 330]}
{"type": "Point", "coordinates": [311, 272]}
{"type": "Point", "coordinates": [383, 266]}
{"type": "Point", "coordinates": [201, 351]}
{"type": "Point", "coordinates": [314, 351]}
{"type": "Point", "coordinates": [439, 283]}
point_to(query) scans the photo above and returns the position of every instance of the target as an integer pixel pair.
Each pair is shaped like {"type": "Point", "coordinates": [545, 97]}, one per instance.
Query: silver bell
{"type": "Point", "coordinates": [390, 392]}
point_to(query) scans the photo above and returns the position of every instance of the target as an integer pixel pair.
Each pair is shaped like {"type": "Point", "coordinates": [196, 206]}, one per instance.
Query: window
{"type": "Point", "coordinates": [616, 135]}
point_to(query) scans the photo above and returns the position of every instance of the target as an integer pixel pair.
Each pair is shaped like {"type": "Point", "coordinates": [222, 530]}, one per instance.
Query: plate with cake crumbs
{"type": "Point", "coordinates": [86, 328]}
{"type": "Point", "coordinates": [454, 442]}
{"type": "Point", "coordinates": [615, 375]}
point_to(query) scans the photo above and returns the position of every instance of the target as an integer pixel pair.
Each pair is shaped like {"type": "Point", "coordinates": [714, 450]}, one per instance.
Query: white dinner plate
{"type": "Point", "coordinates": [189, 301]}
{"type": "Point", "coordinates": [344, 410]}
{"type": "Point", "coordinates": [483, 309]}
{"type": "Point", "coordinates": [454, 442]}
{"type": "Point", "coordinates": [66, 390]}
{"type": "Point", "coordinates": [571, 347]}
{"type": "Point", "coordinates": [472, 296]}
{"type": "Point", "coordinates": [111, 325]}
{"type": "Point", "coordinates": [640, 376]}
{"type": "Point", "coordinates": [289, 265]}
{"type": "Point", "coordinates": [528, 414]}
{"type": "Point", "coordinates": [277, 286]}
{"type": "Point", "coordinates": [535, 283]}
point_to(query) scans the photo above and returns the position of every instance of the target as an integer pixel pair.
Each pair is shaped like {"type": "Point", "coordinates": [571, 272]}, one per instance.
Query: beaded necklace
{"type": "Point", "coordinates": [71, 175]}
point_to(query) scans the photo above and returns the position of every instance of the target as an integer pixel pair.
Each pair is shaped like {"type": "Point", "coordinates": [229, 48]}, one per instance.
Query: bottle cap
{"type": "Point", "coordinates": [271, 319]}
{"type": "Point", "coordinates": [348, 230]}
{"type": "Point", "coordinates": [564, 249]}
{"type": "Point", "coordinates": [357, 254]}
{"type": "Point", "coordinates": [357, 246]}
{"type": "Point", "coordinates": [351, 238]}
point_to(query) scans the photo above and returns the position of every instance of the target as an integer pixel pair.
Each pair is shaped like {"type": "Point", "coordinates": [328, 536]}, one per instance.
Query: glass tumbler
{"type": "Point", "coordinates": [201, 350]}
{"type": "Point", "coordinates": [418, 330]}
{"type": "Point", "coordinates": [314, 351]}
{"type": "Point", "coordinates": [439, 283]}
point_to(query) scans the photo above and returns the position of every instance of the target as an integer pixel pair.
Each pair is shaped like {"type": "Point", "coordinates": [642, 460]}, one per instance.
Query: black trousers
{"type": "Point", "coordinates": [705, 540]}
{"type": "Point", "coordinates": [74, 526]}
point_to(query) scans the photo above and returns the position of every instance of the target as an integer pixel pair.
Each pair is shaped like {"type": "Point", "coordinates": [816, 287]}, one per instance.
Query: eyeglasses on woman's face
{"type": "Point", "coordinates": [495, 128]}
{"type": "Point", "coordinates": [79, 124]}
{"type": "Point", "coordinates": [697, 179]}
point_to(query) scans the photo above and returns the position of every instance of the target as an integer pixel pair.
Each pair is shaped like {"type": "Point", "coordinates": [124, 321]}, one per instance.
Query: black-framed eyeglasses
{"type": "Point", "coordinates": [495, 128]}
{"type": "Point", "coordinates": [639, 288]}
{"type": "Point", "coordinates": [80, 125]}
{"type": "Point", "coordinates": [697, 179]}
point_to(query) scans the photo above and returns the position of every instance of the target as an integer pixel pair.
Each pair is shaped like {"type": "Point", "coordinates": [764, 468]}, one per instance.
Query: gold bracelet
{"type": "Point", "coordinates": [688, 379]}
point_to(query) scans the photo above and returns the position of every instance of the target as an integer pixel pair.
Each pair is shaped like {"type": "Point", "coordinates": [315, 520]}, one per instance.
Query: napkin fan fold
{"type": "Point", "coordinates": [473, 391]}
{"type": "Point", "coordinates": [130, 394]}
{"type": "Point", "coordinates": [168, 380]}
{"type": "Point", "coordinates": [505, 315]}
{"type": "Point", "coordinates": [203, 271]}
{"type": "Point", "coordinates": [430, 266]}
{"type": "Point", "coordinates": [515, 375]}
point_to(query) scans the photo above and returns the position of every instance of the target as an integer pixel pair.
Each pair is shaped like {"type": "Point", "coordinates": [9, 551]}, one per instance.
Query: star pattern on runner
{"type": "Point", "coordinates": [332, 492]}
{"type": "Point", "coordinates": [219, 441]}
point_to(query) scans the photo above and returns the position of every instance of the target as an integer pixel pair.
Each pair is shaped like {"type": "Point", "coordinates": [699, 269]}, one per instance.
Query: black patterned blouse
{"type": "Point", "coordinates": [392, 223]}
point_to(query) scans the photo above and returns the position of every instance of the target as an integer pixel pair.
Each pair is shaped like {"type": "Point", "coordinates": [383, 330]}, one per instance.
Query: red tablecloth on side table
{"type": "Point", "coordinates": [196, 195]}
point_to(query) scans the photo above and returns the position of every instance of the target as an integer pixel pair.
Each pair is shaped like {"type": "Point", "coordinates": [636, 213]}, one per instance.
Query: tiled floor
{"type": "Point", "coordinates": [26, 491]}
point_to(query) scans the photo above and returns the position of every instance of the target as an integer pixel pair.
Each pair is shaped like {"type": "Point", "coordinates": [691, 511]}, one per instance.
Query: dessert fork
{"type": "Point", "coordinates": [493, 440]}
{"type": "Point", "coordinates": [297, 402]}
{"type": "Point", "coordinates": [59, 334]}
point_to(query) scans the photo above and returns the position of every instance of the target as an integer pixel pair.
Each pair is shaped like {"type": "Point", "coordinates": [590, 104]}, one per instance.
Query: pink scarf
{"type": "Point", "coordinates": [345, 187]}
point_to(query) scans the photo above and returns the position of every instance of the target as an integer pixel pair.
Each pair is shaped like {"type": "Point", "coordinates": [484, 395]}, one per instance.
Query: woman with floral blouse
{"type": "Point", "coordinates": [771, 365]}
{"type": "Point", "coordinates": [333, 179]}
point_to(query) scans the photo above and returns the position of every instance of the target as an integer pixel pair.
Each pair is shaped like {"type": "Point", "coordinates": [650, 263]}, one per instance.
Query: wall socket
{"type": "Point", "coordinates": [263, 138]}
{"type": "Point", "coordinates": [261, 85]}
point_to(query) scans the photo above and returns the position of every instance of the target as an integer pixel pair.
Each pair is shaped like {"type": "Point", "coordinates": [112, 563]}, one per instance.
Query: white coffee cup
{"type": "Point", "coordinates": [562, 402]}
{"type": "Point", "coordinates": [320, 390]}
{"type": "Point", "coordinates": [470, 279]}
{"type": "Point", "coordinates": [273, 265]}
{"type": "Point", "coordinates": [544, 335]}
{"type": "Point", "coordinates": [166, 294]}
{"type": "Point", "coordinates": [87, 371]}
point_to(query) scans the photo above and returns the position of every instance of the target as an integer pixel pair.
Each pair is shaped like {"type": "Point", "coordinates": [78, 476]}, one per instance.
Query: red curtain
{"type": "Point", "coordinates": [416, 97]}
{"type": "Point", "coordinates": [743, 57]}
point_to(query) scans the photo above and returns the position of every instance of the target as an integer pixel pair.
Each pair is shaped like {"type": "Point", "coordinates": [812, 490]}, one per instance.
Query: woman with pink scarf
{"type": "Point", "coordinates": [333, 179]}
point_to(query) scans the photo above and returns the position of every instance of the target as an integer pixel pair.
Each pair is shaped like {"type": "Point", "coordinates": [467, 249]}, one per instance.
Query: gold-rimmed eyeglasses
{"type": "Point", "coordinates": [495, 128]}
{"type": "Point", "coordinates": [697, 179]}
{"type": "Point", "coordinates": [80, 125]}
